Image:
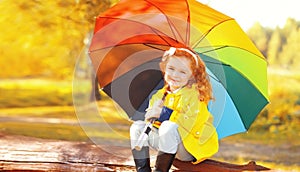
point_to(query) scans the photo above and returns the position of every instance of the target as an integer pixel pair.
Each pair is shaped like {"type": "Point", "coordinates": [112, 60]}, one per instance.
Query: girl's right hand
{"type": "Point", "coordinates": [155, 111]}
{"type": "Point", "coordinates": [152, 113]}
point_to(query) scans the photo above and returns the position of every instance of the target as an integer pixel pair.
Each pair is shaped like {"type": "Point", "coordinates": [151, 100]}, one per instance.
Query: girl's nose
{"type": "Point", "coordinates": [174, 74]}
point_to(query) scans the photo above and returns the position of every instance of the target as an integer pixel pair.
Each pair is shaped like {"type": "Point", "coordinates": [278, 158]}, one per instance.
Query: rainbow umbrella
{"type": "Point", "coordinates": [130, 38]}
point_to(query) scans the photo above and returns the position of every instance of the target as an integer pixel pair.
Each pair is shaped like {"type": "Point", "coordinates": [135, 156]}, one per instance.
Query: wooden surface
{"type": "Point", "coordinates": [212, 165]}
{"type": "Point", "coordinates": [33, 154]}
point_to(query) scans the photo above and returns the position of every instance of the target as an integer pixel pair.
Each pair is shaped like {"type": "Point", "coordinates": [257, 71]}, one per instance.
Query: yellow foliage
{"type": "Point", "coordinates": [284, 95]}
{"type": "Point", "coordinates": [43, 38]}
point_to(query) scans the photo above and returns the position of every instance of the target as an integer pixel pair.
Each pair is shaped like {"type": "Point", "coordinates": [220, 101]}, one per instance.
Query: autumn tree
{"type": "Point", "coordinates": [274, 47]}
{"type": "Point", "coordinates": [260, 37]}
{"type": "Point", "coordinates": [280, 46]}
{"type": "Point", "coordinates": [44, 38]}
{"type": "Point", "coordinates": [289, 57]}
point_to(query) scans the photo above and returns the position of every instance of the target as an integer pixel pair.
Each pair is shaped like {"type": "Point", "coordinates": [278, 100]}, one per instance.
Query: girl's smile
{"type": "Point", "coordinates": [178, 72]}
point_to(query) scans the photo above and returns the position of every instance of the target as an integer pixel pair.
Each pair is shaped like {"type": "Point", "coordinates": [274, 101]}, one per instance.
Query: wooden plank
{"type": "Point", "coordinates": [34, 154]}
{"type": "Point", "coordinates": [48, 166]}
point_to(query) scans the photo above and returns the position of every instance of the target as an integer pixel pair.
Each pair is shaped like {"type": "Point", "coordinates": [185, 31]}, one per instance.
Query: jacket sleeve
{"type": "Point", "coordinates": [157, 96]}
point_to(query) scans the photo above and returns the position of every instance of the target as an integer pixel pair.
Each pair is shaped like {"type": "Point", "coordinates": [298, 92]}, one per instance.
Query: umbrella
{"type": "Point", "coordinates": [130, 38]}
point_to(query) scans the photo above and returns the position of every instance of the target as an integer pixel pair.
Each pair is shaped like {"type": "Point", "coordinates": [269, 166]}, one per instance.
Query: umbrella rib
{"type": "Point", "coordinates": [214, 49]}
{"type": "Point", "coordinates": [154, 47]}
{"type": "Point", "coordinates": [155, 31]}
{"type": "Point", "coordinates": [171, 25]}
{"type": "Point", "coordinates": [146, 44]}
{"type": "Point", "coordinates": [172, 28]}
{"type": "Point", "coordinates": [217, 63]}
{"type": "Point", "coordinates": [208, 31]}
{"type": "Point", "coordinates": [188, 24]}
{"type": "Point", "coordinates": [215, 78]}
{"type": "Point", "coordinates": [227, 46]}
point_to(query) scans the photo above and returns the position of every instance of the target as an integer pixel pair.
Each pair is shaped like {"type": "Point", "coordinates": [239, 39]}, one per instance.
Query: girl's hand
{"type": "Point", "coordinates": [155, 111]}
{"type": "Point", "coordinates": [152, 113]}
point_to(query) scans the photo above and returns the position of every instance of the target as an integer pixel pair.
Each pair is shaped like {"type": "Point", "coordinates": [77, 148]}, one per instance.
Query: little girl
{"type": "Point", "coordinates": [185, 132]}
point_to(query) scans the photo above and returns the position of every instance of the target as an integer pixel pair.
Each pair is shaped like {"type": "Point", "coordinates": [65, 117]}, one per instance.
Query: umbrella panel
{"type": "Point", "coordinates": [245, 96]}
{"type": "Point", "coordinates": [133, 89]}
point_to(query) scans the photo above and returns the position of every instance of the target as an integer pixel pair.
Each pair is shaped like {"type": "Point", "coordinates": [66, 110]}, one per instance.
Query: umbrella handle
{"type": "Point", "coordinates": [143, 137]}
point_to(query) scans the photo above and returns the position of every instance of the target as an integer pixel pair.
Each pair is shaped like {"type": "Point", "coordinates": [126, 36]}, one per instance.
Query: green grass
{"type": "Point", "coordinates": [46, 131]}
{"type": "Point", "coordinates": [66, 112]}
{"type": "Point", "coordinates": [38, 92]}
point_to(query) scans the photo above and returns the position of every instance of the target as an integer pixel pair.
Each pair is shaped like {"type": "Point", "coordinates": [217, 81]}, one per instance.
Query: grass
{"type": "Point", "coordinates": [66, 112]}
{"type": "Point", "coordinates": [35, 92]}
{"type": "Point", "coordinates": [47, 131]}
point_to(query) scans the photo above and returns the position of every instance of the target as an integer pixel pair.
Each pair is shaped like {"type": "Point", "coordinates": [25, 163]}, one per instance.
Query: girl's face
{"type": "Point", "coordinates": [177, 72]}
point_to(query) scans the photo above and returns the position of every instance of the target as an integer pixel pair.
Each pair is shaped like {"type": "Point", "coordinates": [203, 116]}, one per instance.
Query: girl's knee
{"type": "Point", "coordinates": [168, 127]}
{"type": "Point", "coordinates": [137, 126]}
{"type": "Point", "coordinates": [136, 129]}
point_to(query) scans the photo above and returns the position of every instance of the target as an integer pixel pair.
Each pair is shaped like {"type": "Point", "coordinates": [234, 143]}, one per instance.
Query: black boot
{"type": "Point", "coordinates": [164, 162]}
{"type": "Point", "coordinates": [142, 159]}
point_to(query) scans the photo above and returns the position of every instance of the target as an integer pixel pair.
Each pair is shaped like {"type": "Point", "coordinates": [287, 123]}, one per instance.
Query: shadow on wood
{"type": "Point", "coordinates": [212, 165]}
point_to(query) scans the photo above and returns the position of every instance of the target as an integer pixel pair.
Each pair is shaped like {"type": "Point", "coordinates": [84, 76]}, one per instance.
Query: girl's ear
{"type": "Point", "coordinates": [162, 66]}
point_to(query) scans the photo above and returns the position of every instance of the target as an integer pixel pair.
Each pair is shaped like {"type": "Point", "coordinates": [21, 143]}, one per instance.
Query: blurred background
{"type": "Point", "coordinates": [43, 47]}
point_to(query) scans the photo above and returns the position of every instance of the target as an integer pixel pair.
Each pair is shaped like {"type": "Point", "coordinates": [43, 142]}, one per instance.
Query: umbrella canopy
{"type": "Point", "coordinates": [130, 38]}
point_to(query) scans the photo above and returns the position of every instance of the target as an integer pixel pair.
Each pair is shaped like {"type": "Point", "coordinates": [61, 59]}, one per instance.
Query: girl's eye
{"type": "Point", "coordinates": [183, 72]}
{"type": "Point", "coordinates": [170, 68]}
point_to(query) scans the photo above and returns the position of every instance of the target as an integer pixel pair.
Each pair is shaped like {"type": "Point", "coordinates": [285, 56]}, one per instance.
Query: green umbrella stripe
{"type": "Point", "coordinates": [249, 101]}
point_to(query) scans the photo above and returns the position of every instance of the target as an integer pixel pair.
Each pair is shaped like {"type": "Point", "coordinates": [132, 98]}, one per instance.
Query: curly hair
{"type": "Point", "coordinates": [200, 76]}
